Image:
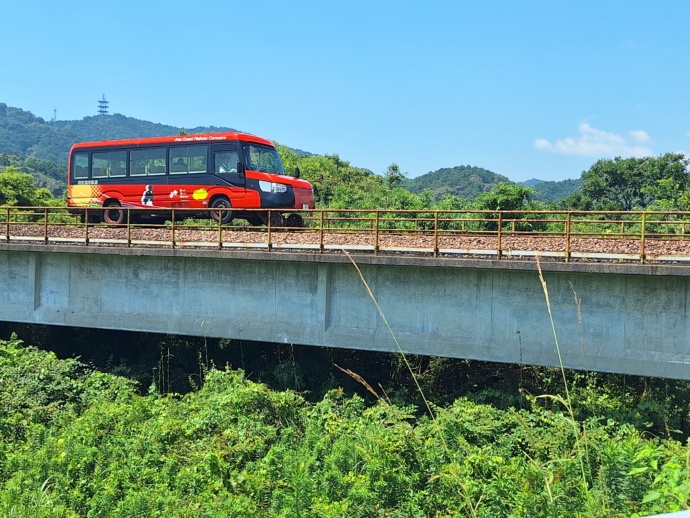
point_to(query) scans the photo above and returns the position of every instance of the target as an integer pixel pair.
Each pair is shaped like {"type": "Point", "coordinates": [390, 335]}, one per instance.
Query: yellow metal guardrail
{"type": "Point", "coordinates": [636, 236]}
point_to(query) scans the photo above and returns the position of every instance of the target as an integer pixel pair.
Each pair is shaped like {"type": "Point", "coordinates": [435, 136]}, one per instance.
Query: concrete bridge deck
{"type": "Point", "coordinates": [626, 318]}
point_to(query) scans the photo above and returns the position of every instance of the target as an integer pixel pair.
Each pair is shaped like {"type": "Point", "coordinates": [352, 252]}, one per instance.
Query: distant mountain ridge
{"type": "Point", "coordinates": [118, 126]}
{"type": "Point", "coordinates": [470, 181]}
{"type": "Point", "coordinates": [22, 133]}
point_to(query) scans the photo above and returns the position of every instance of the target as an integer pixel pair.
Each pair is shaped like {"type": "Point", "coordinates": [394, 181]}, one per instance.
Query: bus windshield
{"type": "Point", "coordinates": [262, 158]}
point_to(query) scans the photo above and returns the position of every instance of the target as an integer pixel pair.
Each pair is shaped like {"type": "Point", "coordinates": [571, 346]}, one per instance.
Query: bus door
{"type": "Point", "coordinates": [225, 159]}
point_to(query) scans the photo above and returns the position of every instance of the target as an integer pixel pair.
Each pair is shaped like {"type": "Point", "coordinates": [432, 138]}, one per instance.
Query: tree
{"type": "Point", "coordinates": [18, 189]}
{"type": "Point", "coordinates": [505, 196]}
{"type": "Point", "coordinates": [632, 183]}
{"type": "Point", "coordinates": [394, 178]}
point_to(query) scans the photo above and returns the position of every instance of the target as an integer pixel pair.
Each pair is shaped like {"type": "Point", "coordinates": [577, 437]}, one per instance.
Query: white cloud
{"type": "Point", "coordinates": [593, 142]}
{"type": "Point", "coordinates": [639, 136]}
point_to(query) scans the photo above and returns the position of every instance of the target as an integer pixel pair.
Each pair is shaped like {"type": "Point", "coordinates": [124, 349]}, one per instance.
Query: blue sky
{"type": "Point", "coordinates": [528, 89]}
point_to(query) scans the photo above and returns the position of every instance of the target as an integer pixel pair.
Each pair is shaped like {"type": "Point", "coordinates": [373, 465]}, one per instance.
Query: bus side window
{"type": "Point", "coordinates": [144, 162]}
{"type": "Point", "coordinates": [178, 160]}
{"type": "Point", "coordinates": [156, 161]}
{"type": "Point", "coordinates": [80, 163]}
{"type": "Point", "coordinates": [188, 159]}
{"type": "Point", "coordinates": [99, 168]}
{"type": "Point", "coordinates": [226, 162]}
{"type": "Point", "coordinates": [117, 163]}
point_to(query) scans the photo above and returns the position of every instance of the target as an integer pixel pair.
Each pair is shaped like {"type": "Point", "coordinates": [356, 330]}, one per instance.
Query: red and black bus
{"type": "Point", "coordinates": [205, 172]}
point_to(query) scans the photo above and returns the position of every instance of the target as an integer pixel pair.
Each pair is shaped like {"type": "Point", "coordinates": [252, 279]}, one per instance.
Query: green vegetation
{"type": "Point", "coordinates": [20, 189]}
{"type": "Point", "coordinates": [77, 442]}
{"type": "Point", "coordinates": [552, 192]}
{"type": "Point", "coordinates": [463, 181]}
{"type": "Point", "coordinates": [633, 184]}
{"type": "Point", "coordinates": [46, 174]}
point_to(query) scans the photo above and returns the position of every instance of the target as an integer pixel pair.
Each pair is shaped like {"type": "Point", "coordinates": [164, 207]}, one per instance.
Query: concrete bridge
{"type": "Point", "coordinates": [625, 318]}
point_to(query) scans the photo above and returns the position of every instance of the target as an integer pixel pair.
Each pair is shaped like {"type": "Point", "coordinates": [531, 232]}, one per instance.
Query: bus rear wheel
{"type": "Point", "coordinates": [221, 216]}
{"type": "Point", "coordinates": [276, 219]}
{"type": "Point", "coordinates": [113, 213]}
{"type": "Point", "coordinates": [294, 220]}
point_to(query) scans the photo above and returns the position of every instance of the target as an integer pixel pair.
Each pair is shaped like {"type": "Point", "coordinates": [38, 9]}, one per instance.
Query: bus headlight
{"type": "Point", "coordinates": [272, 186]}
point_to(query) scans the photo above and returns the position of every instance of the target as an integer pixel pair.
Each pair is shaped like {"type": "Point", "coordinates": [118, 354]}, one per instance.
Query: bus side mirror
{"type": "Point", "coordinates": [240, 170]}
{"type": "Point", "coordinates": [297, 172]}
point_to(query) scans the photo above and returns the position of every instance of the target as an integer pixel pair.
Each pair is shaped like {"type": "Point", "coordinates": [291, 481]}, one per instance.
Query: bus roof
{"type": "Point", "coordinates": [174, 139]}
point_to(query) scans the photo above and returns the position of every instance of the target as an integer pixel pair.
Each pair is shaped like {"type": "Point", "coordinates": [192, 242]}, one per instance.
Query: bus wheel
{"type": "Point", "coordinates": [294, 220]}
{"type": "Point", "coordinates": [221, 216]}
{"type": "Point", "coordinates": [113, 215]}
{"type": "Point", "coordinates": [277, 219]}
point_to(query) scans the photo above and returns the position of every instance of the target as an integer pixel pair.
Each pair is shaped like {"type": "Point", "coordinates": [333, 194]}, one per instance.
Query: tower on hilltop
{"type": "Point", "coordinates": [103, 106]}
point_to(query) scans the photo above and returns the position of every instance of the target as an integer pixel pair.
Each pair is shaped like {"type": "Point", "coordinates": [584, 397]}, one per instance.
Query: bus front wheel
{"type": "Point", "coordinates": [113, 213]}
{"type": "Point", "coordinates": [221, 216]}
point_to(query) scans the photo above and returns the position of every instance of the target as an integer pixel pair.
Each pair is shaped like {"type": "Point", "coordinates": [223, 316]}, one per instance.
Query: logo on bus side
{"type": "Point", "coordinates": [192, 138]}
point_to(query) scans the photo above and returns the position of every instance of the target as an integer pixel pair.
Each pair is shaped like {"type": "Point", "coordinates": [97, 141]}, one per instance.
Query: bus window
{"type": "Point", "coordinates": [110, 163]}
{"type": "Point", "coordinates": [147, 162]}
{"type": "Point", "coordinates": [226, 162]}
{"type": "Point", "coordinates": [188, 159]}
{"type": "Point", "coordinates": [99, 168]}
{"type": "Point", "coordinates": [262, 158]}
{"type": "Point", "coordinates": [80, 166]}
{"type": "Point", "coordinates": [117, 163]}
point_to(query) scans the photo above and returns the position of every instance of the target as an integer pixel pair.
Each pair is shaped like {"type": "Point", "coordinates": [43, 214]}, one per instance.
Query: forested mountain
{"type": "Point", "coordinates": [112, 127]}
{"type": "Point", "coordinates": [469, 182]}
{"type": "Point", "coordinates": [552, 191]}
{"type": "Point", "coordinates": [22, 133]}
{"type": "Point", "coordinates": [463, 181]}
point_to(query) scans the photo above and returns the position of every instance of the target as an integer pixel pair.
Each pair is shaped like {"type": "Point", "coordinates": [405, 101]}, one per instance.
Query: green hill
{"type": "Point", "coordinates": [552, 191]}
{"type": "Point", "coordinates": [24, 134]}
{"type": "Point", "coordinates": [469, 182]}
{"type": "Point", "coordinates": [463, 181]}
{"type": "Point", "coordinates": [113, 127]}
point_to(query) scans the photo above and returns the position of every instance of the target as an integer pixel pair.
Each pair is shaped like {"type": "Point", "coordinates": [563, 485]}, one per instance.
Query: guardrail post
{"type": "Point", "coordinates": [321, 247]}
{"type": "Point", "coordinates": [45, 224]}
{"type": "Point", "coordinates": [499, 250]}
{"type": "Point", "coordinates": [7, 223]}
{"type": "Point", "coordinates": [129, 228]}
{"type": "Point", "coordinates": [86, 227]}
{"type": "Point", "coordinates": [220, 229]}
{"type": "Point", "coordinates": [172, 229]}
{"type": "Point", "coordinates": [376, 232]}
{"type": "Point", "coordinates": [642, 237]}
{"type": "Point", "coordinates": [435, 233]}
{"type": "Point", "coordinates": [268, 224]}
{"type": "Point", "coordinates": [568, 221]}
